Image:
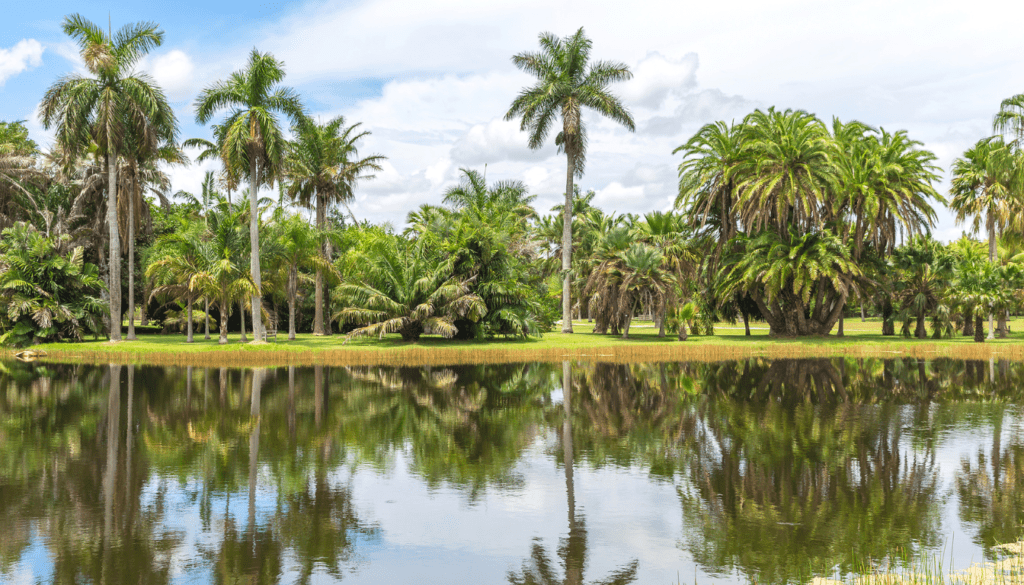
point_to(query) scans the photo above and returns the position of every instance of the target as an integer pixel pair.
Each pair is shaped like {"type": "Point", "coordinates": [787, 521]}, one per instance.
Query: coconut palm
{"type": "Point", "coordinates": [322, 168]}
{"type": "Point", "coordinates": [567, 83]}
{"type": "Point", "coordinates": [984, 186]}
{"type": "Point", "coordinates": [115, 102]}
{"type": "Point", "coordinates": [252, 140]}
{"type": "Point", "coordinates": [405, 292]}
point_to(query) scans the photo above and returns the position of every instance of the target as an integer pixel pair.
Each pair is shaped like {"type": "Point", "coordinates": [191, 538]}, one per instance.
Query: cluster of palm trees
{"type": "Point", "coordinates": [780, 216]}
{"type": "Point", "coordinates": [114, 126]}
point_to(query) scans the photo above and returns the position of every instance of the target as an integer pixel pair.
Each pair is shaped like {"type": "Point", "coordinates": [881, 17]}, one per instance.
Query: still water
{"type": "Point", "coordinates": [525, 473]}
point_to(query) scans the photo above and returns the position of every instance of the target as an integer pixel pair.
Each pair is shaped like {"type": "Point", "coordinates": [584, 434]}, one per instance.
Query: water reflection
{"type": "Point", "coordinates": [774, 469]}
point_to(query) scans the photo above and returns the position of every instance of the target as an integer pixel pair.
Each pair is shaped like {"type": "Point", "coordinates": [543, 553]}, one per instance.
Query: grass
{"type": "Point", "coordinates": [862, 339]}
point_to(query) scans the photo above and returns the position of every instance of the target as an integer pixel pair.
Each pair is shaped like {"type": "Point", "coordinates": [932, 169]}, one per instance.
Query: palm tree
{"type": "Point", "coordinates": [253, 139]}
{"type": "Point", "coordinates": [297, 249]}
{"type": "Point", "coordinates": [404, 292]}
{"type": "Point", "coordinates": [115, 102]}
{"type": "Point", "coordinates": [984, 185]}
{"type": "Point", "coordinates": [144, 153]}
{"type": "Point", "coordinates": [566, 85]}
{"type": "Point", "coordinates": [181, 260]}
{"type": "Point", "coordinates": [707, 181]}
{"type": "Point", "coordinates": [224, 278]}
{"type": "Point", "coordinates": [323, 166]}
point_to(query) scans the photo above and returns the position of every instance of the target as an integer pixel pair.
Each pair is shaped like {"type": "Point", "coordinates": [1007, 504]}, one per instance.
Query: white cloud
{"type": "Point", "coordinates": [174, 72]}
{"type": "Point", "coordinates": [656, 75]}
{"type": "Point", "coordinates": [496, 141]}
{"type": "Point", "coordinates": [24, 55]}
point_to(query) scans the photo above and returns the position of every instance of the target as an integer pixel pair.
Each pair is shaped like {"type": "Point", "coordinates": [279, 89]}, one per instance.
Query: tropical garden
{"type": "Point", "coordinates": [781, 218]}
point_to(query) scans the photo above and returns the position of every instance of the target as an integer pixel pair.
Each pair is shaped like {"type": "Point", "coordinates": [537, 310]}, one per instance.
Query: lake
{"type": "Point", "coordinates": [718, 472]}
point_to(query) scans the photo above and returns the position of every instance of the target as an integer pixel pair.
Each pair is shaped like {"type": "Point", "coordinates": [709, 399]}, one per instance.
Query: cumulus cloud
{"type": "Point", "coordinates": [174, 72]}
{"type": "Point", "coordinates": [24, 55]}
{"type": "Point", "coordinates": [496, 141]}
{"type": "Point", "coordinates": [656, 75]}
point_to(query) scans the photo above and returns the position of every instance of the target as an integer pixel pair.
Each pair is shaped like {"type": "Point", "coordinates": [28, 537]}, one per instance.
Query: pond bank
{"type": "Point", "coordinates": [309, 350]}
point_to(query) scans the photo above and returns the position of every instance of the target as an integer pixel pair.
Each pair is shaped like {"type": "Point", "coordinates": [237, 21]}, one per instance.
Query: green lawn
{"type": "Point", "coordinates": [862, 338]}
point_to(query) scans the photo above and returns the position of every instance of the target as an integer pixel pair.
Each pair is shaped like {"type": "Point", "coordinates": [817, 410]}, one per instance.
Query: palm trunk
{"type": "Point", "coordinates": [114, 282]}
{"type": "Point", "coordinates": [863, 317]}
{"type": "Point", "coordinates": [746, 324]}
{"type": "Point", "coordinates": [293, 277]}
{"type": "Point", "coordinates": [625, 330]}
{"type": "Point", "coordinates": [254, 254]}
{"type": "Point", "coordinates": [225, 306]}
{"type": "Point", "coordinates": [683, 336]}
{"type": "Point", "coordinates": [206, 317]}
{"type": "Point", "coordinates": [131, 254]}
{"type": "Point", "coordinates": [318, 301]}
{"type": "Point", "coordinates": [992, 259]}
{"type": "Point", "coordinates": [241, 319]}
{"type": "Point", "coordinates": [189, 339]}
{"type": "Point", "coordinates": [979, 327]}
{"type": "Point", "coordinates": [840, 333]}
{"type": "Point", "coordinates": [328, 330]}
{"type": "Point", "coordinates": [567, 245]}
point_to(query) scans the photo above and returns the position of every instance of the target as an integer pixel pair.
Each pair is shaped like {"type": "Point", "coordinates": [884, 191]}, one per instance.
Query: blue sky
{"type": "Point", "coordinates": [432, 81]}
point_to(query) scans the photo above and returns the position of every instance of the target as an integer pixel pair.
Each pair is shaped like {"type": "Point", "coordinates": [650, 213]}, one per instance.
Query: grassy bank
{"type": "Point", "coordinates": [729, 342]}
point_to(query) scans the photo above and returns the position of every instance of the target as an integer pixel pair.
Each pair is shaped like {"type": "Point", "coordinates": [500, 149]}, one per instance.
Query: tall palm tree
{"type": "Point", "coordinates": [252, 140]}
{"type": "Point", "coordinates": [144, 154]}
{"type": "Point", "coordinates": [566, 84]}
{"type": "Point", "coordinates": [983, 185]}
{"type": "Point", "coordinates": [323, 166]}
{"type": "Point", "coordinates": [105, 108]}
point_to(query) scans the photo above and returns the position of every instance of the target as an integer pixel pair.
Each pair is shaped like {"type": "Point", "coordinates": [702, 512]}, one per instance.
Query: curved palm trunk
{"type": "Point", "coordinates": [114, 272]}
{"type": "Point", "coordinates": [567, 246]}
{"type": "Point", "coordinates": [131, 254]}
{"type": "Point", "coordinates": [254, 255]}
{"type": "Point", "coordinates": [318, 301]}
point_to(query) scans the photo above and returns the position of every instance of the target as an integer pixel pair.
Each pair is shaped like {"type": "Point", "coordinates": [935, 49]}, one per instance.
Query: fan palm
{"type": "Point", "coordinates": [406, 293]}
{"type": "Point", "coordinates": [567, 83]}
{"type": "Point", "coordinates": [115, 102]}
{"type": "Point", "coordinates": [252, 140]}
{"type": "Point", "coordinates": [323, 168]}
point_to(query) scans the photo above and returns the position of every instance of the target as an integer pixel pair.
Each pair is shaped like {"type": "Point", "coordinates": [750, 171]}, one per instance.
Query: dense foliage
{"type": "Point", "coordinates": [48, 292]}
{"type": "Point", "coordinates": [780, 217]}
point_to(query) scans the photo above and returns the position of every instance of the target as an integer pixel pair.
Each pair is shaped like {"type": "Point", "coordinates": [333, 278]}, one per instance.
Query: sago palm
{"type": "Point", "coordinates": [253, 140]}
{"type": "Point", "coordinates": [567, 83]}
{"type": "Point", "coordinates": [115, 101]}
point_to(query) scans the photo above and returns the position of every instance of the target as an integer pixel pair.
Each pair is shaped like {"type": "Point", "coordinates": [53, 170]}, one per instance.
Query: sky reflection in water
{"type": "Point", "coordinates": [499, 474]}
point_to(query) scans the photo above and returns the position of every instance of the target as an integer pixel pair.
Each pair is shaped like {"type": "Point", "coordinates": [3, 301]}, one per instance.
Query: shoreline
{"type": "Point", "coordinates": [171, 350]}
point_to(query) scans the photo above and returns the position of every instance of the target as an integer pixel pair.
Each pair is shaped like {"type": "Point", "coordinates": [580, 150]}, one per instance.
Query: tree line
{"type": "Point", "coordinates": [780, 217]}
